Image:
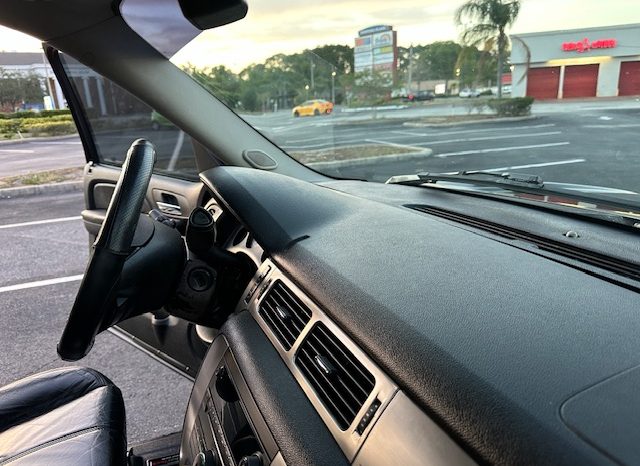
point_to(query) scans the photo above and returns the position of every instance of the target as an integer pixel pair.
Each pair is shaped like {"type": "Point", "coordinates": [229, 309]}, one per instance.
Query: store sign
{"type": "Point", "coordinates": [585, 45]}
{"type": "Point", "coordinates": [374, 30]}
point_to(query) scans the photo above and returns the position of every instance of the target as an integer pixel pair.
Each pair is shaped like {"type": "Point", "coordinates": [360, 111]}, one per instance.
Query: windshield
{"type": "Point", "coordinates": [370, 90]}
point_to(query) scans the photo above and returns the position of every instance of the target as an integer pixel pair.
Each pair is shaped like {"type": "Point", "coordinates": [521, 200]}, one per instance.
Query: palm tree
{"type": "Point", "coordinates": [485, 23]}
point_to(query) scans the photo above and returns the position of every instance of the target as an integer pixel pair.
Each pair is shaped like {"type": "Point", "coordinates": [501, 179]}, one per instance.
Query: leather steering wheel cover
{"type": "Point", "coordinates": [92, 309]}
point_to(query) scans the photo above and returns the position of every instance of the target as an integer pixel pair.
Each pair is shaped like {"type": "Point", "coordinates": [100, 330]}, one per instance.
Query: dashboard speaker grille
{"type": "Point", "coordinates": [338, 378]}
{"type": "Point", "coordinates": [284, 313]}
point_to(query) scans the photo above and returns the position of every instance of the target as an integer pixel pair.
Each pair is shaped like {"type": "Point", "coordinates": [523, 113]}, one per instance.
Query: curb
{"type": "Point", "coordinates": [367, 160]}
{"type": "Point", "coordinates": [371, 109]}
{"type": "Point", "coordinates": [44, 138]}
{"type": "Point", "coordinates": [41, 189]}
{"type": "Point", "coordinates": [411, 124]}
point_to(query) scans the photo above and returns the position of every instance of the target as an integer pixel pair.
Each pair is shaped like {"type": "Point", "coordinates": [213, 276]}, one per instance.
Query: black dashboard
{"type": "Point", "coordinates": [390, 324]}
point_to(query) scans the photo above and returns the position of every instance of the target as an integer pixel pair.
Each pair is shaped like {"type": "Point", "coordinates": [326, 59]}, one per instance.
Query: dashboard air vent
{"type": "Point", "coordinates": [615, 265]}
{"type": "Point", "coordinates": [284, 313]}
{"type": "Point", "coordinates": [341, 382]}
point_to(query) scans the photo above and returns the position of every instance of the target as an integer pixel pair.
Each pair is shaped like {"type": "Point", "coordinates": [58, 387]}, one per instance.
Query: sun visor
{"type": "Point", "coordinates": [159, 22]}
{"type": "Point", "coordinates": [169, 25]}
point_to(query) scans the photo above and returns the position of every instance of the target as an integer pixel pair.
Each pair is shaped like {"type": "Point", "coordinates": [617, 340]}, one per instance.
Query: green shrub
{"type": "Point", "coordinates": [31, 114]}
{"type": "Point", "coordinates": [51, 119]}
{"type": "Point", "coordinates": [53, 128]}
{"type": "Point", "coordinates": [10, 126]}
{"type": "Point", "coordinates": [517, 106]}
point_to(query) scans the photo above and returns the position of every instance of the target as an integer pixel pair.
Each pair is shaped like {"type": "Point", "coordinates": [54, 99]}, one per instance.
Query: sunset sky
{"type": "Point", "coordinates": [287, 26]}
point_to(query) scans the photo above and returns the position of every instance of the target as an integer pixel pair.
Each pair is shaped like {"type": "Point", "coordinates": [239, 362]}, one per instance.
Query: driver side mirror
{"type": "Point", "coordinates": [208, 14]}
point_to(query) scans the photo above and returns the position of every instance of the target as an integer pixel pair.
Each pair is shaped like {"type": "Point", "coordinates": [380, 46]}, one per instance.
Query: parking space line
{"type": "Point", "coordinates": [393, 144]}
{"type": "Point", "coordinates": [40, 283]}
{"type": "Point", "coordinates": [491, 138]}
{"type": "Point", "coordinates": [501, 149]}
{"type": "Point", "coordinates": [17, 151]}
{"type": "Point", "coordinates": [483, 130]}
{"type": "Point", "coordinates": [40, 222]}
{"type": "Point", "coordinates": [56, 143]}
{"type": "Point", "coordinates": [535, 165]}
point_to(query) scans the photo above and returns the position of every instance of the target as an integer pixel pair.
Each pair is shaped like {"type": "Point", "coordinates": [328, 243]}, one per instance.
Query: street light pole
{"type": "Point", "coordinates": [333, 87]}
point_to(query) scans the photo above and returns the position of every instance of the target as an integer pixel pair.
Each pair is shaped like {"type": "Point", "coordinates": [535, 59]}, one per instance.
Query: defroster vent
{"type": "Point", "coordinates": [341, 382]}
{"type": "Point", "coordinates": [284, 313]}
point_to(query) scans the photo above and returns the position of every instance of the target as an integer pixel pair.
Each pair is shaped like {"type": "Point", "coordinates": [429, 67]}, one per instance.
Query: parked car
{"type": "Point", "coordinates": [314, 107]}
{"type": "Point", "coordinates": [420, 96]}
{"type": "Point", "coordinates": [469, 93]}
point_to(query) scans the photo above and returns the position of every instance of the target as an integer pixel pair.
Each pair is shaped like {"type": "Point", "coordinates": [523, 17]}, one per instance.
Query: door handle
{"type": "Point", "coordinates": [171, 209]}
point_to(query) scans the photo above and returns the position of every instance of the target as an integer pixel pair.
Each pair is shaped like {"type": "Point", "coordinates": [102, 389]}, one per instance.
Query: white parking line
{"type": "Point", "coordinates": [393, 144]}
{"type": "Point", "coordinates": [17, 151]}
{"type": "Point", "coordinates": [483, 130]}
{"type": "Point", "coordinates": [40, 222]}
{"type": "Point", "coordinates": [501, 149]}
{"type": "Point", "coordinates": [56, 143]}
{"type": "Point", "coordinates": [534, 165]}
{"type": "Point", "coordinates": [490, 138]}
{"type": "Point", "coordinates": [39, 283]}
{"type": "Point", "coordinates": [629, 125]}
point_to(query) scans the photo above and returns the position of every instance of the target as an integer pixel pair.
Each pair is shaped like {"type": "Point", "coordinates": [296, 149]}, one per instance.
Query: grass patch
{"type": "Point", "coordinates": [45, 177]}
{"type": "Point", "coordinates": [349, 153]}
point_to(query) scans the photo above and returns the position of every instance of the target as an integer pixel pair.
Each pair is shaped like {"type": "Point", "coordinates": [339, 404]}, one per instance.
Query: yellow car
{"type": "Point", "coordinates": [314, 107]}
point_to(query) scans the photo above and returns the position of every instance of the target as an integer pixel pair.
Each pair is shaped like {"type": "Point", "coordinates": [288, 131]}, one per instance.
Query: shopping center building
{"type": "Point", "coordinates": [595, 62]}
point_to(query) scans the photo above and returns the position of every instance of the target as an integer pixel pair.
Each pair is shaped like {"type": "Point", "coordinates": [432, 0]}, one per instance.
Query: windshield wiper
{"type": "Point", "coordinates": [476, 176]}
{"type": "Point", "coordinates": [524, 183]}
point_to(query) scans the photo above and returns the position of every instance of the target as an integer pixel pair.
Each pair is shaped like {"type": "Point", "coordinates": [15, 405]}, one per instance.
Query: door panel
{"type": "Point", "coordinates": [543, 83]}
{"type": "Point", "coordinates": [580, 81]}
{"type": "Point", "coordinates": [108, 126]}
{"type": "Point", "coordinates": [629, 78]}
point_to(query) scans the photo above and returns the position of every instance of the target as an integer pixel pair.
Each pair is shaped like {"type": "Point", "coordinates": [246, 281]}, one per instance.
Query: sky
{"type": "Point", "coordinates": [289, 26]}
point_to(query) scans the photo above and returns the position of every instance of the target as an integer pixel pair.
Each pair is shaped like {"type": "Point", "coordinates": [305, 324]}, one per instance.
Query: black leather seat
{"type": "Point", "coordinates": [67, 416]}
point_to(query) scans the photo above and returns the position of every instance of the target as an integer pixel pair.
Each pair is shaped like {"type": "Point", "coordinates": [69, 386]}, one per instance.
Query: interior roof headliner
{"type": "Point", "coordinates": [51, 19]}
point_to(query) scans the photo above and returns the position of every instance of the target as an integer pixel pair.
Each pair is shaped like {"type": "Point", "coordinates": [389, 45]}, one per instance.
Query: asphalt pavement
{"type": "Point", "coordinates": [33, 314]}
{"type": "Point", "coordinates": [596, 146]}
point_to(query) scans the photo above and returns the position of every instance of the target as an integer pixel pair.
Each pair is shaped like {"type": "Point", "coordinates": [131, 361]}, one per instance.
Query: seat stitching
{"type": "Point", "coordinates": [53, 442]}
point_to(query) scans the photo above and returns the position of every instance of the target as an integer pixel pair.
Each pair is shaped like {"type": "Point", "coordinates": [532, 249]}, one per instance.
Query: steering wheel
{"type": "Point", "coordinates": [95, 307]}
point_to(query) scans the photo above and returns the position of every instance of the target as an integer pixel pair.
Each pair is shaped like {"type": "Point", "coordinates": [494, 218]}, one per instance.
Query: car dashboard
{"type": "Point", "coordinates": [383, 326]}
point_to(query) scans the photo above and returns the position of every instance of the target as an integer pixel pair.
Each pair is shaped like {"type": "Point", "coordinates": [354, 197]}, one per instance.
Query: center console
{"type": "Point", "coordinates": [223, 425]}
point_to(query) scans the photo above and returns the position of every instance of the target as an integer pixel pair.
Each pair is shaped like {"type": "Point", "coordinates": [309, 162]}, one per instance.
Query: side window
{"type": "Point", "coordinates": [117, 118]}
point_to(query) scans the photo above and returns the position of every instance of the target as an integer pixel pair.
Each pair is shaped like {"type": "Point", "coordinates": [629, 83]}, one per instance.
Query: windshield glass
{"type": "Point", "coordinates": [370, 90]}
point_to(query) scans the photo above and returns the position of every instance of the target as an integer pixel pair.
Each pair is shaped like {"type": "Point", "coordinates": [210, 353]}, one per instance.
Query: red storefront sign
{"type": "Point", "coordinates": [586, 45]}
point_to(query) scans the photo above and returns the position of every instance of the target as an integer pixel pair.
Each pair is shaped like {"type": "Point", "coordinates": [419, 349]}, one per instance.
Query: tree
{"type": "Point", "coordinates": [485, 23]}
{"type": "Point", "coordinates": [220, 81]}
{"type": "Point", "coordinates": [17, 89]}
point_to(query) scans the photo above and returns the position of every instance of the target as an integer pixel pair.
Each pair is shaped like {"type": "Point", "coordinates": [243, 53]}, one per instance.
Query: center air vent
{"type": "Point", "coordinates": [285, 314]}
{"type": "Point", "coordinates": [338, 378]}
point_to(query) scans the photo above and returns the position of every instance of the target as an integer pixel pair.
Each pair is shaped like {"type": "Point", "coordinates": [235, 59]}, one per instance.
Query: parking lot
{"type": "Point", "coordinates": [44, 245]}
{"type": "Point", "coordinates": [44, 252]}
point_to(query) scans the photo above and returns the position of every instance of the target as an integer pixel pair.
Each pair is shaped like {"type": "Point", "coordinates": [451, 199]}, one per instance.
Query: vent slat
{"type": "Point", "coordinates": [284, 313]}
{"type": "Point", "coordinates": [298, 326]}
{"type": "Point", "coordinates": [339, 379]}
{"type": "Point", "coordinates": [282, 336]}
{"type": "Point", "coordinates": [332, 387]}
{"type": "Point", "coordinates": [307, 364]}
{"type": "Point", "coordinates": [362, 372]}
{"type": "Point", "coordinates": [319, 348]}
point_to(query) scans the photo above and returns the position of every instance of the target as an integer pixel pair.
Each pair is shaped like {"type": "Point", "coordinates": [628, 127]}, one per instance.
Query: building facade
{"type": "Point", "coordinates": [594, 62]}
{"type": "Point", "coordinates": [96, 92]}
